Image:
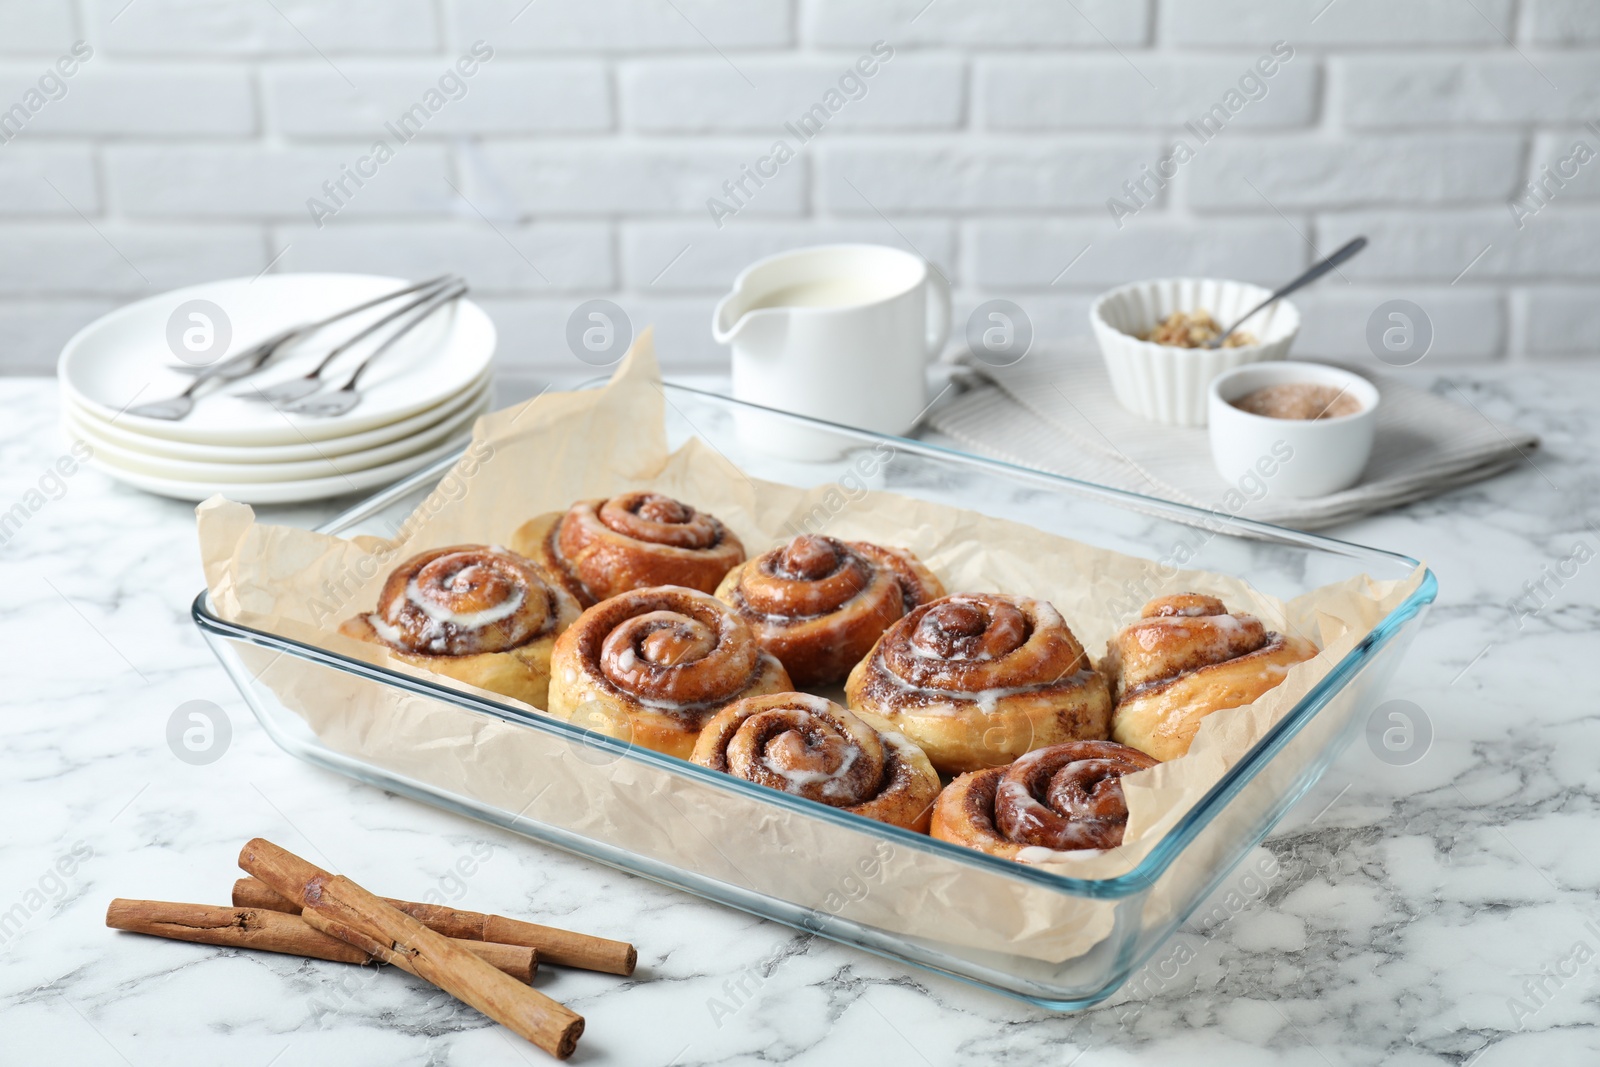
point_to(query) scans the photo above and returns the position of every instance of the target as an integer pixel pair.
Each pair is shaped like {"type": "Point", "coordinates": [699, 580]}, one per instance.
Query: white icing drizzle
{"type": "Point", "coordinates": [988, 700]}
{"type": "Point", "coordinates": [899, 742]}
{"type": "Point", "coordinates": [1029, 812]}
{"type": "Point", "coordinates": [1040, 854]}
{"type": "Point", "coordinates": [809, 701]}
{"type": "Point", "coordinates": [1216, 632]}
{"type": "Point", "coordinates": [953, 702]}
{"type": "Point", "coordinates": [833, 784]}
{"type": "Point", "coordinates": [1044, 611]}
{"type": "Point", "coordinates": [390, 634]}
{"type": "Point", "coordinates": [796, 780]}
{"type": "Point", "coordinates": [1233, 623]}
{"type": "Point", "coordinates": [469, 620]}
{"type": "Point", "coordinates": [1028, 759]}
{"type": "Point", "coordinates": [664, 705]}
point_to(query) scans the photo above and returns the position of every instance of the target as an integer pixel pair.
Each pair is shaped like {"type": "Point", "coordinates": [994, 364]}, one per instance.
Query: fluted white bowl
{"type": "Point", "coordinates": [1168, 384]}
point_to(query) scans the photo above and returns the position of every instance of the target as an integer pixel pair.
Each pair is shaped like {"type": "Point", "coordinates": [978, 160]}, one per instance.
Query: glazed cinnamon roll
{"type": "Point", "coordinates": [977, 679]}
{"type": "Point", "coordinates": [811, 747]}
{"type": "Point", "coordinates": [658, 663]}
{"type": "Point", "coordinates": [633, 541]}
{"type": "Point", "coordinates": [475, 613]}
{"type": "Point", "coordinates": [818, 604]}
{"type": "Point", "coordinates": [1185, 658]}
{"type": "Point", "coordinates": [1063, 798]}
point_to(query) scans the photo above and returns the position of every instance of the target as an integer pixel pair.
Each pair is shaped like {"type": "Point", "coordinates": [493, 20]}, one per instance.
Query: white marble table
{"type": "Point", "coordinates": [1444, 912]}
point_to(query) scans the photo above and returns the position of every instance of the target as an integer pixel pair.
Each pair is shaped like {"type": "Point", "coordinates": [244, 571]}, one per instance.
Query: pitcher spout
{"type": "Point", "coordinates": [735, 321]}
{"type": "Point", "coordinates": [726, 320]}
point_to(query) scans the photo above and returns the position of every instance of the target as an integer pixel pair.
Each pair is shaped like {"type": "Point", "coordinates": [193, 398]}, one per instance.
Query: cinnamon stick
{"type": "Point", "coordinates": [269, 931]}
{"type": "Point", "coordinates": [519, 961]}
{"type": "Point", "coordinates": [274, 931]}
{"type": "Point", "coordinates": [554, 945]}
{"type": "Point", "coordinates": [340, 906]}
{"type": "Point", "coordinates": [254, 893]}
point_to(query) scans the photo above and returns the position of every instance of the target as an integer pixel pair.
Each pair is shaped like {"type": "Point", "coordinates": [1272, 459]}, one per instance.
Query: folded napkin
{"type": "Point", "coordinates": [1056, 412]}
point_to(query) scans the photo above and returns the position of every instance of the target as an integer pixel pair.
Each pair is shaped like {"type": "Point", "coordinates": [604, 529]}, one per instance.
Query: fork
{"type": "Point", "coordinates": [235, 367]}
{"type": "Point", "coordinates": [347, 396]}
{"type": "Point", "coordinates": [308, 383]}
{"type": "Point", "coordinates": [259, 355]}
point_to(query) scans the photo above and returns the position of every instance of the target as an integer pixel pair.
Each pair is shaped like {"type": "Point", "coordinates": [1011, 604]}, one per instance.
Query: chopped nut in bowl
{"type": "Point", "coordinates": [1152, 337]}
{"type": "Point", "coordinates": [1194, 329]}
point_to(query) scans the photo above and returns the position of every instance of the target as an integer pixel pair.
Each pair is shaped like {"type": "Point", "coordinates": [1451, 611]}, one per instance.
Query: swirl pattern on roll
{"type": "Point", "coordinates": [819, 604]}
{"type": "Point", "coordinates": [811, 747]}
{"type": "Point", "coordinates": [633, 541]}
{"type": "Point", "coordinates": [663, 660]}
{"type": "Point", "coordinates": [977, 679]}
{"type": "Point", "coordinates": [1063, 798]}
{"type": "Point", "coordinates": [462, 601]}
{"type": "Point", "coordinates": [1184, 658]}
{"type": "Point", "coordinates": [476, 613]}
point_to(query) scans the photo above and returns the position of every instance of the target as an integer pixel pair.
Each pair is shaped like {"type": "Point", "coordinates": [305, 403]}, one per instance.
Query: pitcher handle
{"type": "Point", "coordinates": [938, 311]}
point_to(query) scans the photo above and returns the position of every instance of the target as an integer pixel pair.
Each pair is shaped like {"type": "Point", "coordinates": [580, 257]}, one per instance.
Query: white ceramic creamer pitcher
{"type": "Point", "coordinates": [837, 332]}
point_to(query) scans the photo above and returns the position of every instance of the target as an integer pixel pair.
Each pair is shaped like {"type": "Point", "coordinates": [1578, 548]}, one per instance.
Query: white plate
{"type": "Point", "coordinates": [280, 492]}
{"type": "Point", "coordinates": [327, 467]}
{"type": "Point", "coordinates": [161, 448]}
{"type": "Point", "coordinates": [123, 359]}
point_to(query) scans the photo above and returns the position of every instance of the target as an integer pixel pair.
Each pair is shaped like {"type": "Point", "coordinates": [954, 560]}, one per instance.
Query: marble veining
{"type": "Point", "coordinates": [1444, 912]}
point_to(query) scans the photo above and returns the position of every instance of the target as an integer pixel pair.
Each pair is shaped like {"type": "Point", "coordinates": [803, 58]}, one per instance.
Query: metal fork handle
{"type": "Point", "coordinates": [263, 350]}
{"type": "Point", "coordinates": [375, 301]}
{"type": "Point", "coordinates": [259, 353]}
{"type": "Point", "coordinates": [1317, 270]}
{"type": "Point", "coordinates": [438, 300]}
{"type": "Point", "coordinates": [435, 289]}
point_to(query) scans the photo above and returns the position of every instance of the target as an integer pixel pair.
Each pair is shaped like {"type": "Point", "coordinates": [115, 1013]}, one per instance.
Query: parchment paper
{"type": "Point", "coordinates": [562, 447]}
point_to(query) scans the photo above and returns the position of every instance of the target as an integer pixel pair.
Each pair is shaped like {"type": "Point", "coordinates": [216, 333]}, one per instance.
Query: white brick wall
{"type": "Point", "coordinates": [577, 162]}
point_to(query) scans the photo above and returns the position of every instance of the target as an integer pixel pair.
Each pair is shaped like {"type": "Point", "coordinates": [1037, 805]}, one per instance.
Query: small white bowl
{"type": "Point", "coordinates": [1165, 383]}
{"type": "Point", "coordinates": [1295, 457]}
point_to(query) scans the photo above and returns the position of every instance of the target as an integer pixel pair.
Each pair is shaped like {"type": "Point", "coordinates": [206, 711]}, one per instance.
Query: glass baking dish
{"type": "Point", "coordinates": [880, 888]}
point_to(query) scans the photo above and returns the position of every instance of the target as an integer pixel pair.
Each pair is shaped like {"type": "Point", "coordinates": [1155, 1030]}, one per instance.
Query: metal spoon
{"type": "Point", "coordinates": [1317, 271]}
{"type": "Point", "coordinates": [341, 400]}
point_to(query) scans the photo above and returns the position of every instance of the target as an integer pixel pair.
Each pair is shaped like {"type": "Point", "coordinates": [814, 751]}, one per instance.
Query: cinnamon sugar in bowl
{"type": "Point", "coordinates": [1300, 429]}
{"type": "Point", "coordinates": [1299, 400]}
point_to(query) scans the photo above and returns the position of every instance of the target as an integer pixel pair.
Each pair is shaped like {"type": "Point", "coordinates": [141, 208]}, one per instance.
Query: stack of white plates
{"type": "Point", "coordinates": [418, 400]}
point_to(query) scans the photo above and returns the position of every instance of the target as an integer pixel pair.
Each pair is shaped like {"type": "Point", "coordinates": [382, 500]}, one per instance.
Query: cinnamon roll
{"type": "Point", "coordinates": [475, 613]}
{"type": "Point", "coordinates": [1057, 799]}
{"type": "Point", "coordinates": [977, 679]}
{"type": "Point", "coordinates": [633, 541]}
{"type": "Point", "coordinates": [1185, 658]}
{"type": "Point", "coordinates": [819, 604]}
{"type": "Point", "coordinates": [812, 747]}
{"type": "Point", "coordinates": [658, 663]}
